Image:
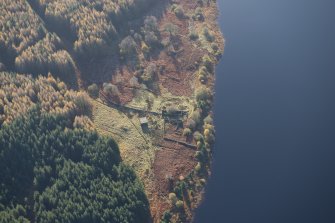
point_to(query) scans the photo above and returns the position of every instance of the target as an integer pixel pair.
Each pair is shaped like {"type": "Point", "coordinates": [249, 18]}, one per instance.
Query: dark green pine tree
{"type": "Point", "coordinates": [51, 172]}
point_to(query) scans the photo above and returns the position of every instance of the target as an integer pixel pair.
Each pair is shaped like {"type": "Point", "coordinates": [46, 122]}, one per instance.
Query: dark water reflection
{"type": "Point", "coordinates": [275, 114]}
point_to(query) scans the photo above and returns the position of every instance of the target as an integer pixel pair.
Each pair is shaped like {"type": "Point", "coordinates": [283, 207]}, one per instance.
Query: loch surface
{"type": "Point", "coordinates": [274, 160]}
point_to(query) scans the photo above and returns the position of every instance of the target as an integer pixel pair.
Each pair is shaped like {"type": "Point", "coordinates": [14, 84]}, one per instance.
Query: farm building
{"type": "Point", "coordinates": [144, 123]}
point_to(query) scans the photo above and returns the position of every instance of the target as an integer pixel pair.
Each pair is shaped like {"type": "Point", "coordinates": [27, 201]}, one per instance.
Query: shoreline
{"type": "Point", "coordinates": [218, 27]}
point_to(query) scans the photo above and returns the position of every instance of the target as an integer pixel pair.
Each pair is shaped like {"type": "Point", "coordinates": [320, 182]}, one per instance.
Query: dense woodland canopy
{"type": "Point", "coordinates": [26, 45]}
{"type": "Point", "coordinates": [87, 28]}
{"type": "Point", "coordinates": [44, 57]}
{"type": "Point", "coordinates": [20, 26]}
{"type": "Point", "coordinates": [19, 93]}
{"type": "Point", "coordinates": [52, 172]}
{"type": "Point", "coordinates": [54, 167]}
{"type": "Point", "coordinates": [91, 23]}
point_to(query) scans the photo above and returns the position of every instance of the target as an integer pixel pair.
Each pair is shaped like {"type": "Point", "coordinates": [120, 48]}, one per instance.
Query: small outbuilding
{"type": "Point", "coordinates": [144, 123]}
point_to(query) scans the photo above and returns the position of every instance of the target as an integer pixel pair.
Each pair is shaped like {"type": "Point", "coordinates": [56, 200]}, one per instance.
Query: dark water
{"type": "Point", "coordinates": [275, 114]}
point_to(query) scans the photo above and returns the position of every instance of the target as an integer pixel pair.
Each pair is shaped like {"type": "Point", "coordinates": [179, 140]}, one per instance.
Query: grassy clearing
{"type": "Point", "coordinates": [158, 102]}
{"type": "Point", "coordinates": [136, 148]}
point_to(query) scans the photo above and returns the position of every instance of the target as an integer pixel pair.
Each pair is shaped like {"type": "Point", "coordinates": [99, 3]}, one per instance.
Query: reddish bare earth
{"type": "Point", "coordinates": [177, 77]}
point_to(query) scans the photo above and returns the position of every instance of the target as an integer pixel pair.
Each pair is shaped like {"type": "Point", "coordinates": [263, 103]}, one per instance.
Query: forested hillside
{"type": "Point", "coordinates": [19, 93]}
{"type": "Point", "coordinates": [54, 166]}
{"type": "Point", "coordinates": [30, 32]}
{"type": "Point", "coordinates": [91, 23]}
{"type": "Point", "coordinates": [26, 45]}
{"type": "Point", "coordinates": [53, 172]}
{"type": "Point", "coordinates": [148, 69]}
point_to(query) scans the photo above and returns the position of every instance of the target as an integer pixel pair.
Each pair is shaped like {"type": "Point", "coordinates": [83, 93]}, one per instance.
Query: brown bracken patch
{"type": "Point", "coordinates": [171, 162]}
